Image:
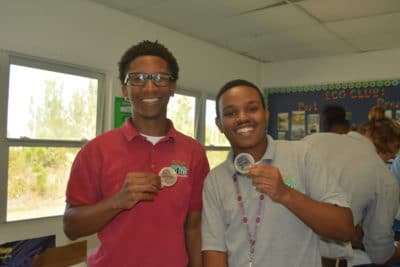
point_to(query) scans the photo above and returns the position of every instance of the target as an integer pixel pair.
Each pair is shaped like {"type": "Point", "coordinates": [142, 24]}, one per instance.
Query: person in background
{"type": "Point", "coordinates": [139, 186]}
{"type": "Point", "coordinates": [376, 113]}
{"type": "Point", "coordinates": [395, 167]}
{"type": "Point", "coordinates": [357, 160]}
{"type": "Point", "coordinates": [384, 134]}
{"type": "Point", "coordinates": [271, 215]}
{"type": "Point", "coordinates": [333, 119]}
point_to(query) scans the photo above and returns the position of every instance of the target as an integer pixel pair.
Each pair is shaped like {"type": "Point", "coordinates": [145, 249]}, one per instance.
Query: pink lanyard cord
{"type": "Point", "coordinates": [252, 237]}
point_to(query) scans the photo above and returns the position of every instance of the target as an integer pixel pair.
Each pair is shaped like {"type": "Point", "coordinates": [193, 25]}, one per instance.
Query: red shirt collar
{"type": "Point", "coordinates": [130, 132]}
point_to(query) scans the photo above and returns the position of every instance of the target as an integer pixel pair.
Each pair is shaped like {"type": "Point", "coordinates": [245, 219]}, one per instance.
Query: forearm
{"type": "Point", "coordinates": [325, 219]}
{"type": "Point", "coordinates": [214, 258]}
{"type": "Point", "coordinates": [395, 259]}
{"type": "Point", "coordinates": [193, 239]}
{"type": "Point", "coordinates": [86, 220]}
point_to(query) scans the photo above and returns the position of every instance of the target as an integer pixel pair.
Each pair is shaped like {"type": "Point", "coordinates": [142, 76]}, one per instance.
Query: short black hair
{"type": "Point", "coordinates": [332, 115]}
{"type": "Point", "coordinates": [235, 83]}
{"type": "Point", "coordinates": [147, 48]}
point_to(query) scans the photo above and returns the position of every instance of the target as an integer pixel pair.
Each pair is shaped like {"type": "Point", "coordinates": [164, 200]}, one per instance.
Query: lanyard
{"type": "Point", "coordinates": [245, 220]}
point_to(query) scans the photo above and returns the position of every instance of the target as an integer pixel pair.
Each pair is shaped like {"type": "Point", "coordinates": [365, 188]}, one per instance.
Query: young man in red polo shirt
{"type": "Point", "coordinates": [115, 188]}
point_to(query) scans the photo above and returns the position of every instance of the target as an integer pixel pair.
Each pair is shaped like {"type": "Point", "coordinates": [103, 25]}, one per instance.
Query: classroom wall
{"type": "Point", "coordinates": [359, 67]}
{"type": "Point", "coordinates": [87, 34]}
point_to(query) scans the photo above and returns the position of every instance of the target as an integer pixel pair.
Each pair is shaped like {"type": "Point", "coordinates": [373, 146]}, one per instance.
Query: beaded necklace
{"type": "Point", "coordinates": [245, 220]}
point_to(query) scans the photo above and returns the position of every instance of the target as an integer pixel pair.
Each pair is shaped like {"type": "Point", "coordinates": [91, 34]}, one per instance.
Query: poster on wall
{"type": "Point", "coordinates": [298, 125]}
{"type": "Point", "coordinates": [21, 253]}
{"type": "Point", "coordinates": [282, 135]}
{"type": "Point", "coordinates": [122, 110]}
{"type": "Point", "coordinates": [283, 121]}
{"type": "Point", "coordinates": [312, 123]}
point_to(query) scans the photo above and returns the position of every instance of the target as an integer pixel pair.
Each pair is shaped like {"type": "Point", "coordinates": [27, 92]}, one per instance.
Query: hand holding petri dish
{"type": "Point", "coordinates": [242, 162]}
{"type": "Point", "coordinates": [168, 177]}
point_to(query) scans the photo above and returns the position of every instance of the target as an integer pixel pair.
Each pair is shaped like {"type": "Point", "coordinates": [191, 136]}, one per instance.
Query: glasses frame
{"type": "Point", "coordinates": [158, 78]}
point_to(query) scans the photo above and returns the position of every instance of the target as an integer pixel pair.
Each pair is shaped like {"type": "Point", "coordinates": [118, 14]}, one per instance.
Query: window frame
{"type": "Point", "coordinates": [210, 147]}
{"type": "Point", "coordinates": [8, 58]}
{"type": "Point", "coordinates": [197, 111]}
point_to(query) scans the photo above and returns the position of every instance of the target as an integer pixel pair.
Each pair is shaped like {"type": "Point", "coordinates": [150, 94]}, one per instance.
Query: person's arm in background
{"type": "Point", "coordinates": [395, 168]}
{"type": "Point", "coordinates": [379, 217]}
{"type": "Point", "coordinates": [193, 238]}
{"type": "Point", "coordinates": [395, 259]}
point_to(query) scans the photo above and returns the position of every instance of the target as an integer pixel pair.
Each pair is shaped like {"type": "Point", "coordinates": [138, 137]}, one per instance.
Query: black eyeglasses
{"type": "Point", "coordinates": [140, 79]}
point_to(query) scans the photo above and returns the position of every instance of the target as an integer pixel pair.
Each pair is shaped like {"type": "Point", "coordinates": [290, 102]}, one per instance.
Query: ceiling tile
{"type": "Point", "coordinates": [276, 19]}
{"type": "Point", "coordinates": [281, 52]}
{"type": "Point", "coordinates": [336, 10]}
{"type": "Point", "coordinates": [376, 42]}
{"type": "Point", "coordinates": [128, 6]}
{"type": "Point", "coordinates": [276, 30]}
{"type": "Point", "coordinates": [366, 26]}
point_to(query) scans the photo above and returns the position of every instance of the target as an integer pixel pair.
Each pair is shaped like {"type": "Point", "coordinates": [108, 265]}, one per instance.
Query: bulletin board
{"type": "Point", "coordinates": [295, 111]}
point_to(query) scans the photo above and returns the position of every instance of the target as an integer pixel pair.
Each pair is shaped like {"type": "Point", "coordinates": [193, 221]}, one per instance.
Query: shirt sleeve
{"type": "Point", "coordinates": [379, 218]}
{"type": "Point", "coordinates": [82, 187]}
{"type": "Point", "coordinates": [212, 221]}
{"type": "Point", "coordinates": [322, 182]}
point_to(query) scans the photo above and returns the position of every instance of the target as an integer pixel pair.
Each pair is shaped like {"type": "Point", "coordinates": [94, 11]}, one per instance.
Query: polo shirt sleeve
{"type": "Point", "coordinates": [379, 217]}
{"type": "Point", "coordinates": [212, 220]}
{"type": "Point", "coordinates": [322, 183]}
{"type": "Point", "coordinates": [199, 170]}
{"type": "Point", "coordinates": [82, 187]}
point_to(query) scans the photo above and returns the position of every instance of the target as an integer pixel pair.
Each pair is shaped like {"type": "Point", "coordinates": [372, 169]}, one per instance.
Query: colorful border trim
{"type": "Point", "coordinates": [331, 86]}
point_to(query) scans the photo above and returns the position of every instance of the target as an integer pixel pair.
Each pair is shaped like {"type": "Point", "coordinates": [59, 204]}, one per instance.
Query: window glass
{"type": "Point", "coordinates": [37, 179]}
{"type": "Point", "coordinates": [181, 110]}
{"type": "Point", "coordinates": [51, 110]}
{"type": "Point", "coordinates": [213, 135]}
{"type": "Point", "coordinates": [51, 105]}
{"type": "Point", "coordinates": [216, 157]}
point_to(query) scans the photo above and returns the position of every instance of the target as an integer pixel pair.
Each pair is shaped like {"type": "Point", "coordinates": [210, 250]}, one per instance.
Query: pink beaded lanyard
{"type": "Point", "coordinates": [252, 237]}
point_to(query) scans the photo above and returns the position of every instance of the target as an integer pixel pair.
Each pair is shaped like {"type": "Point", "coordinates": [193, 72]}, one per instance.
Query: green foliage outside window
{"type": "Point", "coordinates": [38, 174]}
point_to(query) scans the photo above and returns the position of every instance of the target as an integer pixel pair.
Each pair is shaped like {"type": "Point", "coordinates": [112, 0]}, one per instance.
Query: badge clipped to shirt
{"type": "Point", "coordinates": [168, 177]}
{"type": "Point", "coordinates": [242, 162]}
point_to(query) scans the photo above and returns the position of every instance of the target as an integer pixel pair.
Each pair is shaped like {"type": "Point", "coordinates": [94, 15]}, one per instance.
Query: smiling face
{"type": "Point", "coordinates": [243, 120]}
{"type": "Point", "coordinates": [149, 102]}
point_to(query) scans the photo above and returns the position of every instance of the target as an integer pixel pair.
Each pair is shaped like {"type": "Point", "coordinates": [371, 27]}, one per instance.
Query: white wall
{"type": "Point", "coordinates": [87, 34]}
{"type": "Point", "coordinates": [365, 66]}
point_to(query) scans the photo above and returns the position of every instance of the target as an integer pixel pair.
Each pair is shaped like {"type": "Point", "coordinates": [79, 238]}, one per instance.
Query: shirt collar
{"type": "Point", "coordinates": [130, 132]}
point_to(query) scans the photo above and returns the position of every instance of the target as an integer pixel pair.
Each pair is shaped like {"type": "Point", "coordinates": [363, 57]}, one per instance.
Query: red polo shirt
{"type": "Point", "coordinates": [151, 234]}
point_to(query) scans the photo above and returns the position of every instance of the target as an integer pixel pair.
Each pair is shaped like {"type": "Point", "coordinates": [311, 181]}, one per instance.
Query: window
{"type": "Point", "coordinates": [181, 110]}
{"type": "Point", "coordinates": [217, 146]}
{"type": "Point", "coordinates": [51, 110]}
